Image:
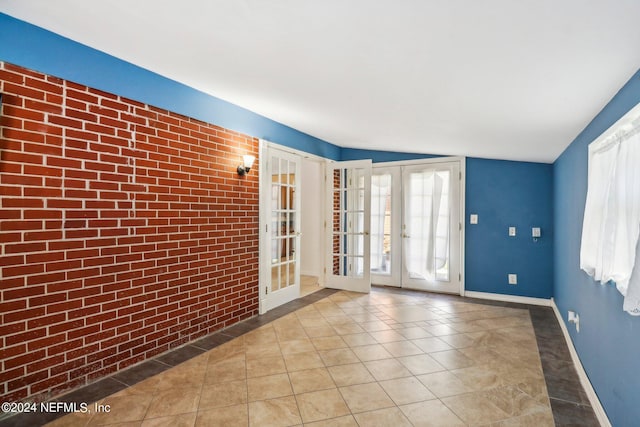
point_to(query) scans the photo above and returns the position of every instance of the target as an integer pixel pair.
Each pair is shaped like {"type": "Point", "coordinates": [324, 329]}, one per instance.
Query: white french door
{"type": "Point", "coordinates": [348, 218]}
{"type": "Point", "coordinates": [386, 206]}
{"type": "Point", "coordinates": [280, 225]}
{"type": "Point", "coordinates": [416, 229]}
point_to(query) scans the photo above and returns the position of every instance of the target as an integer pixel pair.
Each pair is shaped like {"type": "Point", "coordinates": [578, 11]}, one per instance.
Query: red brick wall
{"type": "Point", "coordinates": [124, 231]}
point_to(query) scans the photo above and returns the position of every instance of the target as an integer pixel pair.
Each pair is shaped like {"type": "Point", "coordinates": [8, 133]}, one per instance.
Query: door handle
{"type": "Point", "coordinates": [366, 233]}
{"type": "Point", "coordinates": [405, 235]}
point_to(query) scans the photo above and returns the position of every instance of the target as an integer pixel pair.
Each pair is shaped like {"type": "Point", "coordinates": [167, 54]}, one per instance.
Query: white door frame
{"type": "Point", "coordinates": [462, 165]}
{"type": "Point", "coordinates": [264, 274]}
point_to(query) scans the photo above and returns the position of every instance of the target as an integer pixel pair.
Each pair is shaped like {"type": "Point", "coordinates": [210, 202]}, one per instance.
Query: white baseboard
{"type": "Point", "coordinates": [508, 298]}
{"type": "Point", "coordinates": [584, 379]}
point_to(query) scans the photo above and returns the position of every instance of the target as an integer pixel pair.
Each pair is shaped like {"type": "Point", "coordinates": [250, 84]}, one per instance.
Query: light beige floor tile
{"type": "Point", "coordinates": [301, 361]}
{"type": "Point", "coordinates": [431, 344]}
{"type": "Point", "coordinates": [308, 312]}
{"type": "Point", "coordinates": [440, 329]}
{"type": "Point", "coordinates": [536, 389]}
{"type": "Point", "coordinates": [480, 355]}
{"type": "Point", "coordinates": [514, 401]}
{"type": "Point", "coordinates": [328, 343]}
{"type": "Point", "coordinates": [231, 357]}
{"type": "Point", "coordinates": [388, 417]}
{"type": "Point", "coordinates": [431, 413]}
{"type": "Point", "coordinates": [444, 384]}
{"type": "Point", "coordinates": [387, 369]}
{"type": "Point", "coordinates": [173, 402]}
{"type": "Point", "coordinates": [519, 373]}
{"type": "Point", "coordinates": [538, 419]}
{"type": "Point", "coordinates": [375, 326]}
{"type": "Point", "coordinates": [321, 405]}
{"type": "Point", "coordinates": [421, 364]}
{"type": "Point", "coordinates": [265, 366]}
{"type": "Point", "coordinates": [291, 333]}
{"type": "Point", "coordinates": [319, 331]}
{"type": "Point", "coordinates": [351, 374]}
{"type": "Point", "coordinates": [338, 356]}
{"type": "Point", "coordinates": [364, 317]}
{"type": "Point", "coordinates": [474, 408]}
{"type": "Point", "coordinates": [402, 348]}
{"type": "Point", "coordinates": [371, 352]}
{"type": "Point", "coordinates": [296, 346]}
{"type": "Point", "coordinates": [481, 377]}
{"type": "Point", "coordinates": [231, 369]}
{"type": "Point", "coordinates": [365, 397]}
{"type": "Point", "coordinates": [348, 328]}
{"type": "Point", "coordinates": [127, 424]}
{"type": "Point", "coordinates": [223, 394]}
{"type": "Point", "coordinates": [387, 336]}
{"type": "Point", "coordinates": [76, 419]}
{"type": "Point", "coordinates": [180, 376]}
{"type": "Point", "coordinates": [145, 387]}
{"type": "Point", "coordinates": [338, 318]}
{"type": "Point", "coordinates": [282, 411]}
{"type": "Point", "coordinates": [311, 380]}
{"type": "Point", "coordinates": [259, 351]}
{"type": "Point", "coordinates": [457, 340]}
{"type": "Point", "coordinates": [261, 336]}
{"type": "Point", "coordinates": [356, 340]}
{"type": "Point", "coordinates": [182, 420]}
{"type": "Point", "coordinates": [494, 370]}
{"type": "Point", "coordinates": [413, 332]}
{"type": "Point", "coordinates": [345, 421]}
{"type": "Point", "coordinates": [452, 359]}
{"type": "Point", "coordinates": [406, 390]}
{"type": "Point", "coordinates": [269, 387]}
{"type": "Point", "coordinates": [123, 409]}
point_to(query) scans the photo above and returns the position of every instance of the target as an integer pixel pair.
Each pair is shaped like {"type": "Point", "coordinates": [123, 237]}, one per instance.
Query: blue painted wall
{"type": "Point", "coordinates": [503, 194]}
{"type": "Point", "coordinates": [509, 194]}
{"type": "Point", "coordinates": [32, 47]}
{"type": "Point", "coordinates": [609, 340]}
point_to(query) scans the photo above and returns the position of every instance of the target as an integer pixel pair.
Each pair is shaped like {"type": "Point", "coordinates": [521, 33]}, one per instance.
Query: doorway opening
{"type": "Point", "coordinates": [290, 228]}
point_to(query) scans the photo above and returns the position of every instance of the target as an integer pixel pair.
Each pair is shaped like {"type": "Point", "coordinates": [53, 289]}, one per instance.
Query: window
{"type": "Point", "coordinates": [611, 222]}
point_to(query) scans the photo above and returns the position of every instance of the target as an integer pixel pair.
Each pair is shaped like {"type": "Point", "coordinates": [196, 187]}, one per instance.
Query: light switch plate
{"type": "Point", "coordinates": [473, 219]}
{"type": "Point", "coordinates": [512, 231]}
{"type": "Point", "coordinates": [513, 279]}
{"type": "Point", "coordinates": [535, 232]}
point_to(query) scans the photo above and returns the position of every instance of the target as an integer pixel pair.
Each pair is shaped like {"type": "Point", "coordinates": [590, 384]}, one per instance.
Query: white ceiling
{"type": "Point", "coordinates": [501, 79]}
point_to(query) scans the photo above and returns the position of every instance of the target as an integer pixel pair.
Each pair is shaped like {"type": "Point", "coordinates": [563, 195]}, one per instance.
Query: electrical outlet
{"type": "Point", "coordinates": [473, 219]}
{"type": "Point", "coordinates": [574, 318]}
{"type": "Point", "coordinates": [513, 279]}
{"type": "Point", "coordinates": [512, 231]}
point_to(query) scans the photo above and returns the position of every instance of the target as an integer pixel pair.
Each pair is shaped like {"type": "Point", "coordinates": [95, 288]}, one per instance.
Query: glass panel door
{"type": "Point", "coordinates": [431, 227]}
{"type": "Point", "coordinates": [386, 245]}
{"type": "Point", "coordinates": [348, 220]}
{"type": "Point", "coordinates": [283, 203]}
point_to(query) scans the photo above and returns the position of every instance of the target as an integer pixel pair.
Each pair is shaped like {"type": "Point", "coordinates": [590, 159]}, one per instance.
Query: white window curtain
{"type": "Point", "coordinates": [427, 222]}
{"type": "Point", "coordinates": [611, 223]}
{"type": "Point", "coordinates": [380, 191]}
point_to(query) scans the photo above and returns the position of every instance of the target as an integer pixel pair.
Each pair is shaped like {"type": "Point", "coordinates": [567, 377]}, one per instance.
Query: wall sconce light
{"type": "Point", "coordinates": [247, 162]}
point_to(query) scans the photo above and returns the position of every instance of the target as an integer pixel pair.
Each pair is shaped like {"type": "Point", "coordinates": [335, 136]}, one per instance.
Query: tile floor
{"type": "Point", "coordinates": [389, 358]}
{"type": "Point", "coordinates": [308, 285]}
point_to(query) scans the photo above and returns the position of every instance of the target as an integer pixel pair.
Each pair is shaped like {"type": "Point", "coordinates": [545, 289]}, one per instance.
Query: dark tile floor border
{"type": "Point", "coordinates": [569, 401]}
